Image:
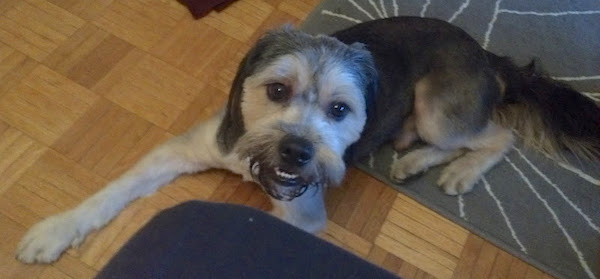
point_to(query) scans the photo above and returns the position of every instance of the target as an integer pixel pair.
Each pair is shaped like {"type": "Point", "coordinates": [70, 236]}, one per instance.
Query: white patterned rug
{"type": "Point", "coordinates": [541, 211]}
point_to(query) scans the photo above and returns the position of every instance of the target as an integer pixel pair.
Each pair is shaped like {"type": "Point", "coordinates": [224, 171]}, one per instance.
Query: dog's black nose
{"type": "Point", "coordinates": [295, 150]}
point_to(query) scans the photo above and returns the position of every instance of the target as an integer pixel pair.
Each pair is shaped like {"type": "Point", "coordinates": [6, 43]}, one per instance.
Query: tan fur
{"type": "Point", "coordinates": [501, 84]}
{"type": "Point", "coordinates": [528, 124]}
{"type": "Point", "coordinates": [290, 70]}
{"type": "Point", "coordinates": [470, 153]}
{"type": "Point", "coordinates": [485, 150]}
{"type": "Point", "coordinates": [407, 135]}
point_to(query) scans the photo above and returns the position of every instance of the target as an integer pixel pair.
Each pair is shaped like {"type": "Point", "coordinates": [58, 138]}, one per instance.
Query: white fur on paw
{"type": "Point", "coordinates": [46, 240]}
{"type": "Point", "coordinates": [411, 164]}
{"type": "Point", "coordinates": [458, 178]}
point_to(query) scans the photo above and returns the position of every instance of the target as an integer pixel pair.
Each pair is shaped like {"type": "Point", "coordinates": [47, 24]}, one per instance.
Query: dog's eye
{"type": "Point", "coordinates": [278, 92]}
{"type": "Point", "coordinates": [338, 110]}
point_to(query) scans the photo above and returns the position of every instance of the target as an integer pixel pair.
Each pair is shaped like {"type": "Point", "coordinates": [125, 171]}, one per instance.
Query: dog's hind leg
{"type": "Point", "coordinates": [485, 150]}
{"type": "Point", "coordinates": [407, 135]}
{"type": "Point", "coordinates": [419, 160]}
{"type": "Point", "coordinates": [452, 111]}
{"type": "Point", "coordinates": [191, 152]}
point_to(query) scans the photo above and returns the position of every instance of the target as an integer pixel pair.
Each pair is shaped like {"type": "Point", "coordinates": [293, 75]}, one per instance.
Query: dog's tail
{"type": "Point", "coordinates": [547, 114]}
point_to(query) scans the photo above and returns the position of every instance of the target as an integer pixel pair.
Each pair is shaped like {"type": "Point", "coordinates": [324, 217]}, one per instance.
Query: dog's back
{"type": "Point", "coordinates": [405, 50]}
{"type": "Point", "coordinates": [472, 79]}
{"type": "Point", "coordinates": [438, 85]}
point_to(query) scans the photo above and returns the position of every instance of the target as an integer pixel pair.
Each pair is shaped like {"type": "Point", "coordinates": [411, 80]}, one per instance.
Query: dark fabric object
{"type": "Point", "coordinates": [210, 240]}
{"type": "Point", "coordinates": [200, 8]}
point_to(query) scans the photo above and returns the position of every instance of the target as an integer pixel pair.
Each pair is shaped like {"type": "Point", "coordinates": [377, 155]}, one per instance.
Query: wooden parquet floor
{"type": "Point", "coordinates": [89, 86]}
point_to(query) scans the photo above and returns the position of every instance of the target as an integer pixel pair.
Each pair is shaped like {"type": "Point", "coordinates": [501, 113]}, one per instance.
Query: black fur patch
{"type": "Point", "coordinates": [405, 49]}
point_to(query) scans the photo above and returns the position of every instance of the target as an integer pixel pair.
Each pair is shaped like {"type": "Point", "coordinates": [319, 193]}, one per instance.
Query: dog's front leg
{"type": "Point", "coordinates": [306, 212]}
{"type": "Point", "coordinates": [191, 152]}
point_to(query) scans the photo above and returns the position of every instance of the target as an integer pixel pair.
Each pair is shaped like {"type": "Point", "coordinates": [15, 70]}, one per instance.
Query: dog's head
{"type": "Point", "coordinates": [297, 103]}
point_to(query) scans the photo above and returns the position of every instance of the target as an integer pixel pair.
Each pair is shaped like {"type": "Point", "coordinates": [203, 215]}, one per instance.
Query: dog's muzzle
{"type": "Point", "coordinates": [284, 175]}
{"type": "Point", "coordinates": [277, 182]}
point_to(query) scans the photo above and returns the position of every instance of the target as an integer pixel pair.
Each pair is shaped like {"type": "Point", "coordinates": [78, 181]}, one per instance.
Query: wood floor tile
{"type": "Point", "coordinates": [42, 93]}
{"type": "Point", "coordinates": [98, 243]}
{"type": "Point", "coordinates": [469, 256]}
{"type": "Point", "coordinates": [202, 51]}
{"type": "Point", "coordinates": [298, 9]}
{"type": "Point", "coordinates": [424, 230]}
{"type": "Point", "coordinates": [36, 27]}
{"type": "Point", "coordinates": [377, 255]}
{"type": "Point", "coordinates": [240, 19]}
{"type": "Point", "coordinates": [427, 216]}
{"type": "Point", "coordinates": [8, 5]}
{"type": "Point", "coordinates": [534, 273]}
{"type": "Point", "coordinates": [485, 261]}
{"type": "Point", "coordinates": [345, 238]}
{"type": "Point", "coordinates": [73, 268]}
{"type": "Point", "coordinates": [11, 268]}
{"type": "Point", "coordinates": [14, 66]}
{"type": "Point", "coordinates": [392, 263]}
{"type": "Point", "coordinates": [227, 188]}
{"type": "Point", "coordinates": [408, 271]}
{"type": "Point", "coordinates": [206, 105]}
{"type": "Point", "coordinates": [16, 204]}
{"type": "Point", "coordinates": [196, 186]}
{"type": "Point", "coordinates": [85, 9]}
{"type": "Point", "coordinates": [88, 55]}
{"type": "Point", "coordinates": [116, 140]}
{"type": "Point", "coordinates": [378, 212]}
{"type": "Point", "coordinates": [142, 88]}
{"type": "Point", "coordinates": [141, 22]}
{"type": "Point", "coordinates": [77, 46]}
{"type": "Point", "coordinates": [102, 146]}
{"type": "Point", "coordinates": [416, 251]}
{"type": "Point", "coordinates": [259, 199]}
{"type": "Point", "coordinates": [363, 206]}
{"type": "Point", "coordinates": [47, 176]}
{"type": "Point", "coordinates": [501, 265]}
{"type": "Point", "coordinates": [52, 272]}
{"type": "Point", "coordinates": [416, 235]}
{"type": "Point", "coordinates": [151, 139]}
{"type": "Point", "coordinates": [277, 19]}
{"type": "Point", "coordinates": [19, 153]}
{"type": "Point", "coordinates": [518, 269]}
{"type": "Point", "coordinates": [345, 207]}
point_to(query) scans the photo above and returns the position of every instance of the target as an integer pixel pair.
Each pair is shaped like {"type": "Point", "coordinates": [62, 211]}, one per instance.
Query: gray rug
{"type": "Point", "coordinates": [546, 213]}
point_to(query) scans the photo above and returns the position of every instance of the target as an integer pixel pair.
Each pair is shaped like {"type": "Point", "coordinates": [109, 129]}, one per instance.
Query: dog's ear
{"type": "Point", "coordinates": [287, 27]}
{"type": "Point", "coordinates": [269, 46]}
{"type": "Point", "coordinates": [370, 76]}
{"type": "Point", "coordinates": [370, 79]}
{"type": "Point", "coordinates": [358, 45]}
{"type": "Point", "coordinates": [232, 126]}
{"type": "Point", "coordinates": [367, 72]}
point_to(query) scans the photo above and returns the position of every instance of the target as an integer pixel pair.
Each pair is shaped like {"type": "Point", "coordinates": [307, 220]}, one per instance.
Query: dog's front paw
{"type": "Point", "coordinates": [409, 165]}
{"type": "Point", "coordinates": [46, 240]}
{"type": "Point", "coordinates": [458, 178]}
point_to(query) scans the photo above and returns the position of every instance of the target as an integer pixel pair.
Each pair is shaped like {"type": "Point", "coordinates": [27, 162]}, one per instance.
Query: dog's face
{"type": "Point", "coordinates": [301, 103]}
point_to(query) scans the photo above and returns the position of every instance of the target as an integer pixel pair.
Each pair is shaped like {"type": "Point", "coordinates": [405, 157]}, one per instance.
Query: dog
{"type": "Point", "coordinates": [302, 107]}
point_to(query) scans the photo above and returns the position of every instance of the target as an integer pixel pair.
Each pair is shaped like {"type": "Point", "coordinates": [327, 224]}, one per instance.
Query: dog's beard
{"type": "Point", "coordinates": [283, 181]}
{"type": "Point", "coordinates": [280, 182]}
